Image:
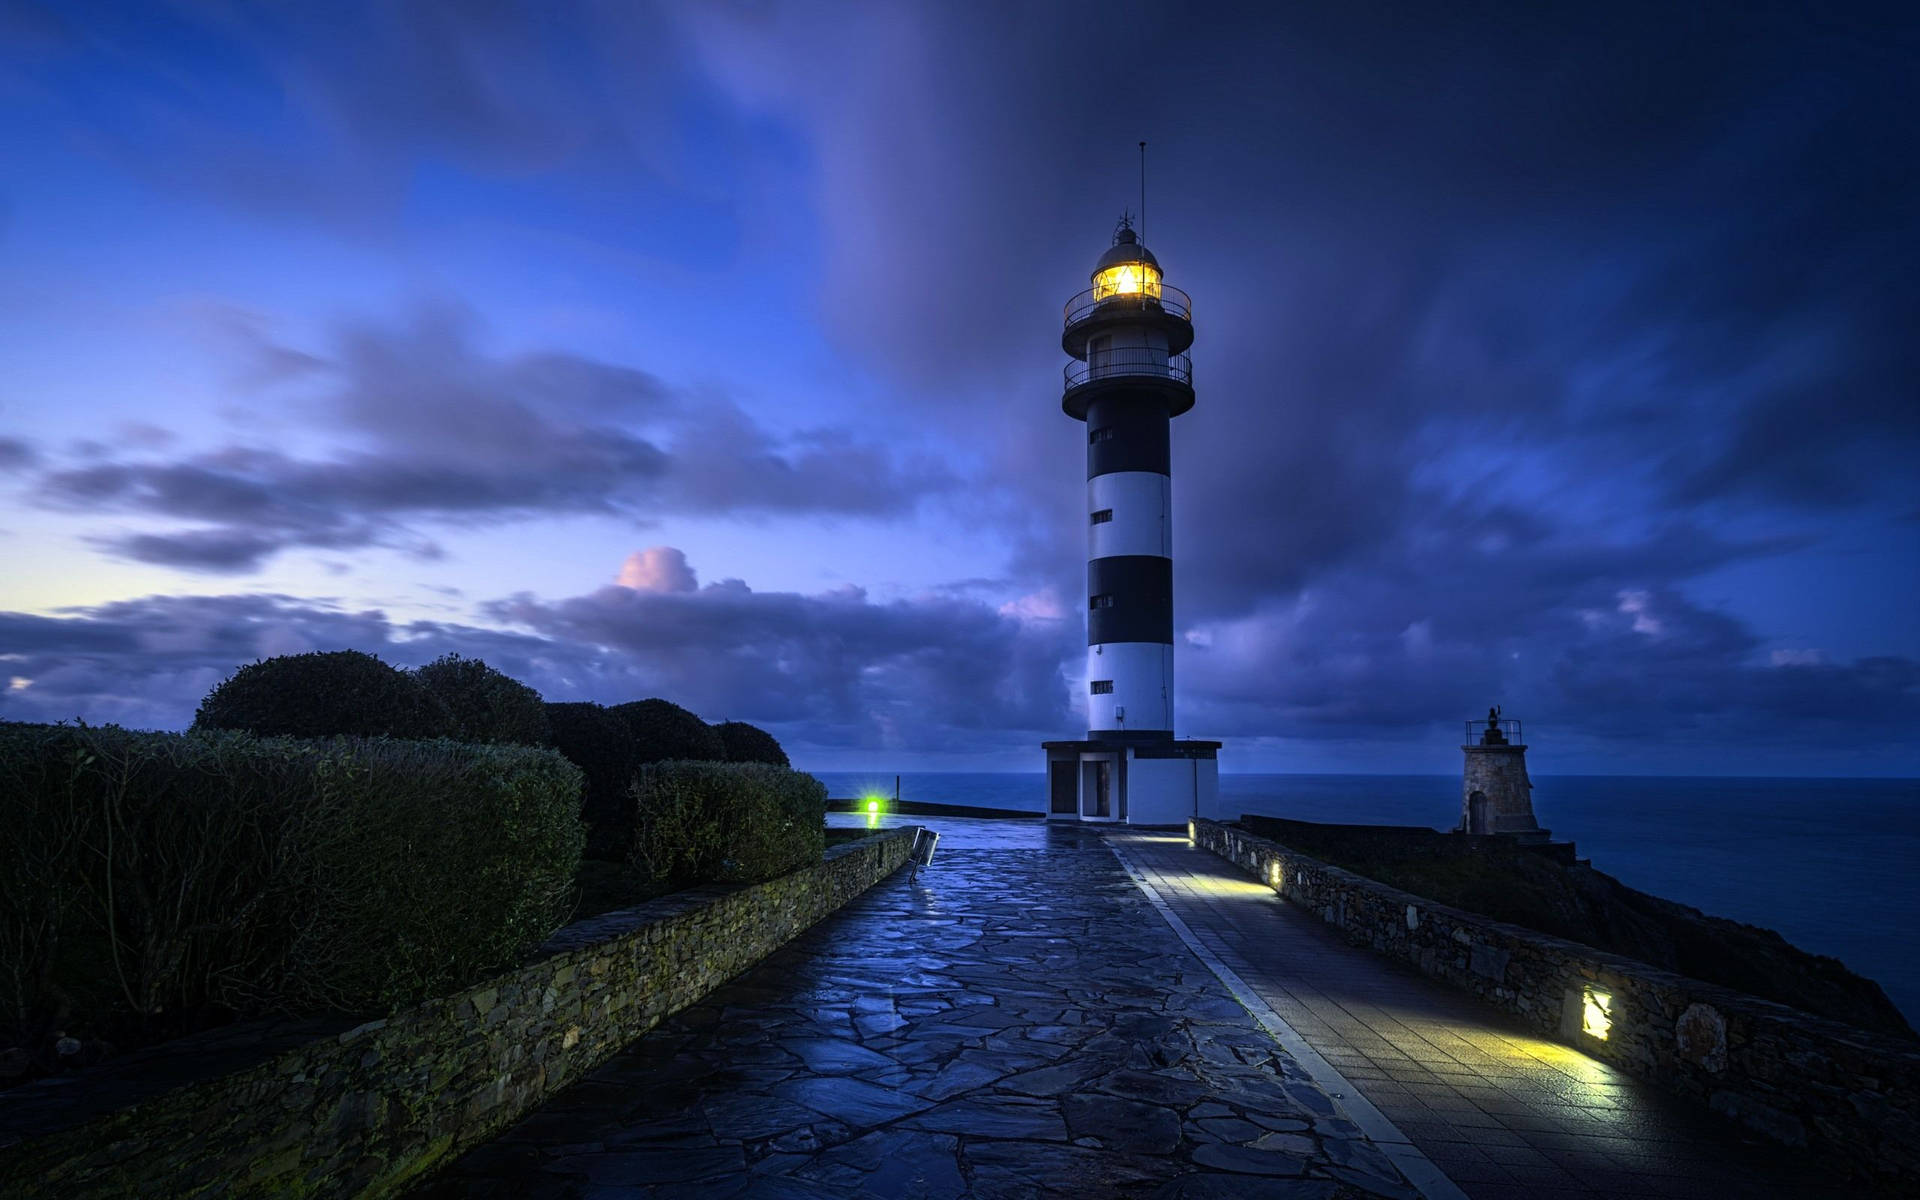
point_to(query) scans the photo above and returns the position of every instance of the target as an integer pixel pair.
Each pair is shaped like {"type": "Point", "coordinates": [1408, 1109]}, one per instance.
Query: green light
{"type": "Point", "coordinates": [873, 806]}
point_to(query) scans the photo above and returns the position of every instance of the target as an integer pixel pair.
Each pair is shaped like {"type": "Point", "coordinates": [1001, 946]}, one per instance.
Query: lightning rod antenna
{"type": "Point", "coordinates": [1143, 193]}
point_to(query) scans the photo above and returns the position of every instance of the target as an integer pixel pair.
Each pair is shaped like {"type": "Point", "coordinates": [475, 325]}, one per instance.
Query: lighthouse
{"type": "Point", "coordinates": [1130, 376]}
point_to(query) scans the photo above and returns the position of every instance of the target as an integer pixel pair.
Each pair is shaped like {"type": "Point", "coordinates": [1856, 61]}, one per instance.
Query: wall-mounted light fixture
{"type": "Point", "coordinates": [1596, 1012]}
{"type": "Point", "coordinates": [1273, 875]}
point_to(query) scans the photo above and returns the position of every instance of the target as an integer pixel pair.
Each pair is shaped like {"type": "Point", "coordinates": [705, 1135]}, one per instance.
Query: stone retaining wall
{"type": "Point", "coordinates": [1793, 1077]}
{"type": "Point", "coordinates": [314, 1109]}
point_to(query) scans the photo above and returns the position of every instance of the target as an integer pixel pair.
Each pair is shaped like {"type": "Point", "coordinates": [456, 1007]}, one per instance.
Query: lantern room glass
{"type": "Point", "coordinates": [1125, 280]}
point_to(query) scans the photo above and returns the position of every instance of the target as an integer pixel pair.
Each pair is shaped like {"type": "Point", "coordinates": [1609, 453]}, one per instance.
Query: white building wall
{"type": "Point", "coordinates": [1142, 675]}
{"type": "Point", "coordinates": [1162, 791]}
{"type": "Point", "coordinates": [1208, 799]}
{"type": "Point", "coordinates": [1127, 350]}
{"type": "Point", "coordinates": [1141, 503]}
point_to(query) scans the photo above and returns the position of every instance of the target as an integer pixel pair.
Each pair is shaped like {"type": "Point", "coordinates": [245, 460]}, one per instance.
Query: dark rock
{"type": "Point", "coordinates": [831, 1056]}
{"type": "Point", "coordinates": [1000, 1119]}
{"type": "Point", "coordinates": [1207, 1186]}
{"type": "Point", "coordinates": [858, 1104]}
{"type": "Point", "coordinates": [1247, 1161]}
{"type": "Point", "coordinates": [1130, 1126]}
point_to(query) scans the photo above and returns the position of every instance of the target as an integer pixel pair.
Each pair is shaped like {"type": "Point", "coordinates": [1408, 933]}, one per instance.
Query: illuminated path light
{"type": "Point", "coordinates": [1128, 335]}
{"type": "Point", "coordinates": [1433, 1075]}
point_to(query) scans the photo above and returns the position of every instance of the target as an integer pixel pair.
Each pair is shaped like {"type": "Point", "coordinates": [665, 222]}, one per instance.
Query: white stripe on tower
{"type": "Point", "coordinates": [1142, 678]}
{"type": "Point", "coordinates": [1138, 508]}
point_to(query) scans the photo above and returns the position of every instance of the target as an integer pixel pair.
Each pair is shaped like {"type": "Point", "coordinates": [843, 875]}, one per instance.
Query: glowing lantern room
{"type": "Point", "coordinates": [1127, 270]}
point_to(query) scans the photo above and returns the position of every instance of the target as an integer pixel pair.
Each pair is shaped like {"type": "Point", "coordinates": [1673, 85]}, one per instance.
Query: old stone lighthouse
{"type": "Point", "coordinates": [1130, 376]}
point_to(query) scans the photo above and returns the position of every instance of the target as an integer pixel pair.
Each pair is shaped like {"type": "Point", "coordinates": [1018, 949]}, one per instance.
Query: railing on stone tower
{"type": "Point", "coordinates": [1504, 732]}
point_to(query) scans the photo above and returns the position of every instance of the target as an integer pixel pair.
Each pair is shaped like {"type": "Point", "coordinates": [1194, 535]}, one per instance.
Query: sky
{"type": "Point", "coordinates": [1556, 357]}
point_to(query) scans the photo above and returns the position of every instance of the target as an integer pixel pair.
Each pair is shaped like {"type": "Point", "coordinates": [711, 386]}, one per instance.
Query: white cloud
{"type": "Point", "coordinates": [657, 569]}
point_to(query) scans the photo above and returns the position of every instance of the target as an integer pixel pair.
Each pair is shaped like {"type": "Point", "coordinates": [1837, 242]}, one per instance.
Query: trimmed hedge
{"type": "Point", "coordinates": [665, 732]}
{"type": "Point", "coordinates": [597, 741]}
{"type": "Point", "coordinates": [144, 874]}
{"type": "Point", "coordinates": [698, 822]}
{"type": "Point", "coordinates": [485, 705]}
{"type": "Point", "coordinates": [324, 694]}
{"type": "Point", "coordinates": [750, 743]}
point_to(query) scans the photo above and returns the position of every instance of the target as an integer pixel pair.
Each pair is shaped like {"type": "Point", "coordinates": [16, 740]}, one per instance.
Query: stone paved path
{"type": "Point", "coordinates": [1504, 1112]}
{"type": "Point", "coordinates": [1018, 1022]}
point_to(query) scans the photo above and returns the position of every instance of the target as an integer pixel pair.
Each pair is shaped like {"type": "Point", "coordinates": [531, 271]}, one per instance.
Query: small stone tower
{"type": "Point", "coordinates": [1495, 795]}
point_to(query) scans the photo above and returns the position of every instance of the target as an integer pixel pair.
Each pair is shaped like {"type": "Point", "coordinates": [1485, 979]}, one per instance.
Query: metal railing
{"type": "Point", "coordinates": [1508, 728]}
{"type": "Point", "coordinates": [1161, 298]}
{"type": "Point", "coordinates": [1127, 361]}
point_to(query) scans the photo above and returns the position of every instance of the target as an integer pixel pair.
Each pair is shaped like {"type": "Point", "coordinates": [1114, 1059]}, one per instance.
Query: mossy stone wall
{"type": "Point", "coordinates": [313, 1109]}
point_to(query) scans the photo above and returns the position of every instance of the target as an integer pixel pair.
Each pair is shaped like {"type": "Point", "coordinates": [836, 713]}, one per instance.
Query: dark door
{"type": "Point", "coordinates": [1061, 798]}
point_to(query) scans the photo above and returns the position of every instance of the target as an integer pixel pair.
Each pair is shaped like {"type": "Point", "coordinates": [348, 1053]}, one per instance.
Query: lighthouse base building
{"type": "Point", "coordinates": [1130, 377]}
{"type": "Point", "coordinates": [1140, 783]}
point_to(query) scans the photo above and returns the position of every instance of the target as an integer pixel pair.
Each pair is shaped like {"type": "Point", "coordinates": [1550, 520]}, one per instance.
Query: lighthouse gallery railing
{"type": "Point", "coordinates": [1162, 298]}
{"type": "Point", "coordinates": [1130, 361]}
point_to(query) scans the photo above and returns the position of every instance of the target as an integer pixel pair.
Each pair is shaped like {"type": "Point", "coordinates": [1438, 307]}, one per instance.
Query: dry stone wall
{"type": "Point", "coordinates": [313, 1109]}
{"type": "Point", "coordinates": [1796, 1078]}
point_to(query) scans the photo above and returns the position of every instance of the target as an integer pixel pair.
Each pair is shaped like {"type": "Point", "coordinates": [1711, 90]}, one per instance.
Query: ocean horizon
{"type": "Point", "coordinates": [1825, 862]}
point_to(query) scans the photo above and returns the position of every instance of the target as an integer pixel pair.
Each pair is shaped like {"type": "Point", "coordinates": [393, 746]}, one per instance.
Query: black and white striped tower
{"type": "Point", "coordinates": [1128, 335]}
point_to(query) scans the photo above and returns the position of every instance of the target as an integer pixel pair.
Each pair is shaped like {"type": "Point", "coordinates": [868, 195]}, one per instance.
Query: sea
{"type": "Point", "coordinates": [1833, 865]}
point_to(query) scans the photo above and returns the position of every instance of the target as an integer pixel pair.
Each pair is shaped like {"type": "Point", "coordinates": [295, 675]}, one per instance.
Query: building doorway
{"type": "Point", "coordinates": [1479, 814]}
{"type": "Point", "coordinates": [1063, 791]}
{"type": "Point", "coordinates": [1096, 790]}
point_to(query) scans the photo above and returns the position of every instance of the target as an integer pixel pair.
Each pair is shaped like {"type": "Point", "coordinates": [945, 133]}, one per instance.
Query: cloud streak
{"type": "Point", "coordinates": [433, 431]}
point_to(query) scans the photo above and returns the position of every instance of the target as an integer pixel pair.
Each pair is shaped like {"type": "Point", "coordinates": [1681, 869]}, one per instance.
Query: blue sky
{"type": "Point", "coordinates": [710, 351]}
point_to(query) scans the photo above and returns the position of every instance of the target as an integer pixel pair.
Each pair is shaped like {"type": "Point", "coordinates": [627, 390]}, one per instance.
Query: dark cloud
{"type": "Point", "coordinates": [833, 670]}
{"type": "Point", "coordinates": [17, 454]}
{"type": "Point", "coordinates": [1513, 325]}
{"type": "Point", "coordinates": [436, 431]}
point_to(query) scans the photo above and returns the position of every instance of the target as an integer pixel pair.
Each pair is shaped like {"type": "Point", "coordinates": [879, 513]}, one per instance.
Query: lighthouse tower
{"type": "Point", "coordinates": [1130, 376]}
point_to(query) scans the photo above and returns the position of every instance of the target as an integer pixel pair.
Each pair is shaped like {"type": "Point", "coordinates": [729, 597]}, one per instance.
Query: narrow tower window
{"type": "Point", "coordinates": [1101, 687]}
{"type": "Point", "coordinates": [1102, 517]}
{"type": "Point", "coordinates": [1102, 601]}
{"type": "Point", "coordinates": [1103, 434]}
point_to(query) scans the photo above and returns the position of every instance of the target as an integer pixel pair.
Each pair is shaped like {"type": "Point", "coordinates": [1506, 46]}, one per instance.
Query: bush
{"type": "Point", "coordinates": [601, 745]}
{"type": "Point", "coordinates": [145, 875]}
{"type": "Point", "coordinates": [749, 743]}
{"type": "Point", "coordinates": [436, 864]}
{"type": "Point", "coordinates": [485, 705]}
{"type": "Point", "coordinates": [324, 694]}
{"type": "Point", "coordinates": [664, 732]}
{"type": "Point", "coordinates": [729, 822]}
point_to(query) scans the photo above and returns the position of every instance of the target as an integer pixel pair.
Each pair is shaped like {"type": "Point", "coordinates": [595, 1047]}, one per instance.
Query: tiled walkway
{"type": "Point", "coordinates": [1016, 1022]}
{"type": "Point", "coordinates": [1503, 1112]}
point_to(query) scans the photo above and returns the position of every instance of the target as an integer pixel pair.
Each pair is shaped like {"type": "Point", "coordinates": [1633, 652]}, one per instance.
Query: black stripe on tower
{"type": "Point", "coordinates": [1130, 599]}
{"type": "Point", "coordinates": [1127, 430]}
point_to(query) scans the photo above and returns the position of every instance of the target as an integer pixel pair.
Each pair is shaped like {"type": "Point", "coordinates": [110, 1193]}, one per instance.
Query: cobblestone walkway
{"type": "Point", "coordinates": [1018, 1022]}
{"type": "Point", "coordinates": [1505, 1113]}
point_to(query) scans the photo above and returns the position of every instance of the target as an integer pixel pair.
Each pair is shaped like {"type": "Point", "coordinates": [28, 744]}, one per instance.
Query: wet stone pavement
{"type": "Point", "coordinates": [1016, 1022]}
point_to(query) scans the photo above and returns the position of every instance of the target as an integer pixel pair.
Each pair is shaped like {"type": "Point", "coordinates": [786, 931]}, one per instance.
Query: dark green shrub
{"type": "Point", "coordinates": [324, 694]}
{"type": "Point", "coordinates": [435, 863]}
{"type": "Point", "coordinates": [601, 745]}
{"type": "Point", "coordinates": [729, 822]}
{"type": "Point", "coordinates": [144, 875]}
{"type": "Point", "coordinates": [750, 743]}
{"type": "Point", "coordinates": [663, 732]}
{"type": "Point", "coordinates": [485, 705]}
